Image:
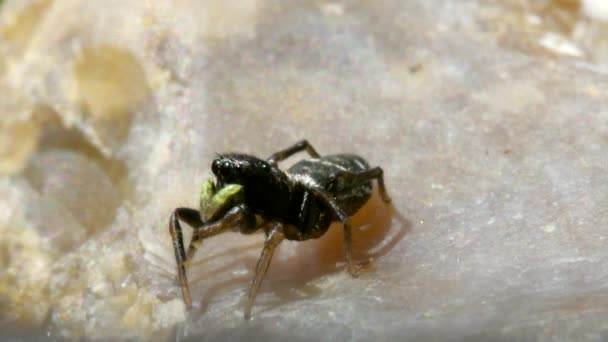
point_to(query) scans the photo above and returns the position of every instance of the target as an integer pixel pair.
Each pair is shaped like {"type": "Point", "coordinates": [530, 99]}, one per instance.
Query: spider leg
{"type": "Point", "coordinates": [364, 176]}
{"type": "Point", "coordinates": [275, 236]}
{"type": "Point", "coordinates": [291, 150]}
{"type": "Point", "coordinates": [239, 217]}
{"type": "Point", "coordinates": [342, 216]}
{"type": "Point", "coordinates": [188, 215]}
{"type": "Point", "coordinates": [235, 217]}
{"type": "Point", "coordinates": [193, 218]}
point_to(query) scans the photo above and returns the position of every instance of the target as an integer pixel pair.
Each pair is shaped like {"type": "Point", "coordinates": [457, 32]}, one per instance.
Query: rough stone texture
{"type": "Point", "coordinates": [490, 121]}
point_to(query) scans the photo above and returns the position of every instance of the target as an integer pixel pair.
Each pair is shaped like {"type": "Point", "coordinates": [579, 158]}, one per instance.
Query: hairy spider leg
{"type": "Point", "coordinates": [291, 150]}
{"type": "Point", "coordinates": [274, 237]}
{"type": "Point", "coordinates": [191, 217]}
{"type": "Point", "coordinates": [357, 177]}
{"type": "Point", "coordinates": [234, 217]}
{"type": "Point", "coordinates": [342, 216]}
{"type": "Point", "coordinates": [364, 176]}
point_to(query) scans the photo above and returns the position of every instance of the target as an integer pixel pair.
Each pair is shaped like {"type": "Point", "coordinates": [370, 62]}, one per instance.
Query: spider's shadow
{"type": "Point", "coordinates": [375, 233]}
{"type": "Point", "coordinates": [377, 228]}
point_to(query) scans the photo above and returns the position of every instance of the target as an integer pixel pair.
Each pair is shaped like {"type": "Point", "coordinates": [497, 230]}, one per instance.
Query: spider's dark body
{"type": "Point", "coordinates": [350, 195]}
{"type": "Point", "coordinates": [319, 172]}
{"type": "Point", "coordinates": [251, 194]}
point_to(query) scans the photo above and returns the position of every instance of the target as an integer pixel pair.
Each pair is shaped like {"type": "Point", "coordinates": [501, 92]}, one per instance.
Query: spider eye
{"type": "Point", "coordinates": [265, 167]}
{"type": "Point", "coordinates": [215, 166]}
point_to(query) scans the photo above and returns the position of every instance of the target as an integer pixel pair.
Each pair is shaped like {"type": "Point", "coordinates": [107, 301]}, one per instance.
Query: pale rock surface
{"type": "Point", "coordinates": [490, 121]}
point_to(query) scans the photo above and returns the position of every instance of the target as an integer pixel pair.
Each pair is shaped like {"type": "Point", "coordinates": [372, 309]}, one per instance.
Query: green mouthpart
{"type": "Point", "coordinates": [214, 204]}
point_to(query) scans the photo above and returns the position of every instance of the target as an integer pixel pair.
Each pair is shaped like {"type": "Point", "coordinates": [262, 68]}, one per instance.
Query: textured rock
{"type": "Point", "coordinates": [490, 121]}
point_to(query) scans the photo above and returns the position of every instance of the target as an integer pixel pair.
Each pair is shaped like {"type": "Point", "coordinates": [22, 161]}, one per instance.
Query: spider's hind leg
{"type": "Point", "coordinates": [341, 216]}
{"type": "Point", "coordinates": [364, 176]}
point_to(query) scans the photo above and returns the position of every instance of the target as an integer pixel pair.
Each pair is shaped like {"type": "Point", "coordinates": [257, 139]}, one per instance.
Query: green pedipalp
{"type": "Point", "coordinates": [207, 192]}
{"type": "Point", "coordinates": [216, 203]}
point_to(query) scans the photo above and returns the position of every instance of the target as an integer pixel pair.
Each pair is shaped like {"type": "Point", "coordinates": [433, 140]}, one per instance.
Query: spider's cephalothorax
{"type": "Point", "coordinates": [252, 194]}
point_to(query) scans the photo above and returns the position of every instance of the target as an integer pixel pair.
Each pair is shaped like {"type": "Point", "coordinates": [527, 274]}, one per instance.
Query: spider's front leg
{"type": "Point", "coordinates": [192, 217]}
{"type": "Point", "coordinates": [238, 217]}
{"type": "Point", "coordinates": [274, 236]}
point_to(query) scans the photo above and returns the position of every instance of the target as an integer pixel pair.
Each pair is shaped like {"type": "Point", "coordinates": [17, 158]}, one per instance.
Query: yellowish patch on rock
{"type": "Point", "coordinates": [20, 30]}
{"type": "Point", "coordinates": [18, 140]}
{"type": "Point", "coordinates": [24, 274]}
{"type": "Point", "coordinates": [2, 62]}
{"type": "Point", "coordinates": [110, 82]}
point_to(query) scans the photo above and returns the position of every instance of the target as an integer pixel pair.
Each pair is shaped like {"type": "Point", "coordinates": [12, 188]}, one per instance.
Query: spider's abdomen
{"type": "Point", "coordinates": [319, 172]}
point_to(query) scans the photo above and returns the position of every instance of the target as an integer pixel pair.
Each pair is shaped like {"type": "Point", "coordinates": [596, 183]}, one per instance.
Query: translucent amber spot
{"type": "Point", "coordinates": [110, 82]}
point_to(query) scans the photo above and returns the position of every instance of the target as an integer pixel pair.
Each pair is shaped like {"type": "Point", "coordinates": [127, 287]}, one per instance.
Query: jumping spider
{"type": "Point", "coordinates": [252, 194]}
